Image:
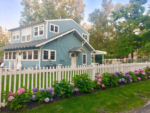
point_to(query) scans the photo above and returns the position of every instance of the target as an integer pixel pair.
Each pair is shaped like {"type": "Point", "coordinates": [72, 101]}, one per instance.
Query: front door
{"type": "Point", "coordinates": [73, 59]}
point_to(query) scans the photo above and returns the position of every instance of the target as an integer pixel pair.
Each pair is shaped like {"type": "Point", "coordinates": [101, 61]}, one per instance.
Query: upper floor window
{"type": "Point", "coordinates": [38, 30]}
{"type": "Point", "coordinates": [84, 36]}
{"type": "Point", "coordinates": [54, 28]}
{"type": "Point", "coordinates": [16, 35]}
{"type": "Point", "coordinates": [26, 35]}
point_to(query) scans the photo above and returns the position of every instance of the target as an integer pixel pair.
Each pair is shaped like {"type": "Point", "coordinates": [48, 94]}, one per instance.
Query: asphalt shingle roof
{"type": "Point", "coordinates": [30, 44]}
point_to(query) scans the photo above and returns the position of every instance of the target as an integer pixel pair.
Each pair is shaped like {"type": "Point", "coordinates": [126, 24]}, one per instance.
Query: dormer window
{"type": "Point", "coordinates": [26, 35]}
{"type": "Point", "coordinates": [54, 28]}
{"type": "Point", "coordinates": [84, 36]}
{"type": "Point", "coordinates": [16, 35]}
{"type": "Point", "coordinates": [38, 30]}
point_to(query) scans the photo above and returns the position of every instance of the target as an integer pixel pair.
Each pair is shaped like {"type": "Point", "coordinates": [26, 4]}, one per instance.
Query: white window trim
{"type": "Point", "coordinates": [38, 30]}
{"type": "Point", "coordinates": [54, 28]}
{"type": "Point", "coordinates": [49, 51]}
{"type": "Point", "coordinates": [26, 36]}
{"type": "Point", "coordinates": [86, 35]}
{"type": "Point", "coordinates": [15, 38]}
{"type": "Point", "coordinates": [32, 55]}
{"type": "Point", "coordinates": [11, 55]}
{"type": "Point", "coordinates": [86, 59]}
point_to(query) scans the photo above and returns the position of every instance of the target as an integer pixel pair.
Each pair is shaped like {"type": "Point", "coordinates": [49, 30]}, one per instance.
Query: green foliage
{"type": "Point", "coordinates": [64, 88]}
{"type": "Point", "coordinates": [41, 95]}
{"type": "Point", "coordinates": [83, 82]}
{"type": "Point", "coordinates": [134, 78]}
{"type": "Point", "coordinates": [35, 11]}
{"type": "Point", "coordinates": [113, 79]}
{"type": "Point", "coordinates": [20, 100]}
{"type": "Point", "coordinates": [105, 80]}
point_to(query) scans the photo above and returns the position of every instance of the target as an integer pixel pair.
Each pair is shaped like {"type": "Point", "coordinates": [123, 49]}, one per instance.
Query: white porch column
{"type": "Point", "coordinates": [102, 58]}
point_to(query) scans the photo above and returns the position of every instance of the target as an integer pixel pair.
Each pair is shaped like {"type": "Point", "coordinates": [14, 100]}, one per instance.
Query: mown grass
{"type": "Point", "coordinates": [112, 100]}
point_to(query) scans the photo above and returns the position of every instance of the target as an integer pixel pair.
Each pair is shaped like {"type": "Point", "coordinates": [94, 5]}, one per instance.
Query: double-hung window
{"type": "Point", "coordinates": [84, 36]}
{"type": "Point", "coordinates": [84, 59]}
{"type": "Point", "coordinates": [6, 55]}
{"type": "Point", "coordinates": [49, 55]}
{"type": "Point", "coordinates": [52, 55]}
{"type": "Point", "coordinates": [16, 35]}
{"type": "Point", "coordinates": [54, 28]}
{"type": "Point", "coordinates": [10, 54]}
{"type": "Point", "coordinates": [45, 56]}
{"type": "Point", "coordinates": [29, 55]}
{"type": "Point", "coordinates": [38, 30]}
{"type": "Point", "coordinates": [35, 53]}
{"type": "Point", "coordinates": [14, 55]}
{"type": "Point", "coordinates": [26, 35]}
{"type": "Point", "coordinates": [24, 55]}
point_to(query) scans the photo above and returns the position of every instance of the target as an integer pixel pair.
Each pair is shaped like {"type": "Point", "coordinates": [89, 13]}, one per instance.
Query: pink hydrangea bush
{"type": "Point", "coordinates": [98, 80]}
{"type": "Point", "coordinates": [18, 99]}
{"type": "Point", "coordinates": [141, 73]}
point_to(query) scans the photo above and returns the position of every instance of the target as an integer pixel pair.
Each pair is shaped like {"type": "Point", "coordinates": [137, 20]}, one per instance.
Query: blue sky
{"type": "Point", "coordinates": [10, 11]}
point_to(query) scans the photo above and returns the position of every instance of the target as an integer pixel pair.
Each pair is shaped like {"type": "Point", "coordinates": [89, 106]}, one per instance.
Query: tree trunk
{"type": "Point", "coordinates": [132, 56]}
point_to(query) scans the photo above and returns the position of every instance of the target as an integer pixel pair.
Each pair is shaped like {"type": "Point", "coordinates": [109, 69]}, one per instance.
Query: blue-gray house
{"type": "Point", "coordinates": [50, 42]}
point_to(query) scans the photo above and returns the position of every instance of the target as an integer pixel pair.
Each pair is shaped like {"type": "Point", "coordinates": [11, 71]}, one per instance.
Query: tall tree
{"type": "Point", "coordinates": [102, 30]}
{"type": "Point", "coordinates": [132, 13]}
{"type": "Point", "coordinates": [4, 39]}
{"type": "Point", "coordinates": [51, 9]}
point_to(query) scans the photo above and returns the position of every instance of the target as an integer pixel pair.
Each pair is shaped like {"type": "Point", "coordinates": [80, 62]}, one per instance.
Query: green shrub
{"type": "Point", "coordinates": [83, 82]}
{"type": "Point", "coordinates": [64, 88]}
{"type": "Point", "coordinates": [134, 77]}
{"type": "Point", "coordinates": [113, 79]}
{"type": "Point", "coordinates": [42, 94]}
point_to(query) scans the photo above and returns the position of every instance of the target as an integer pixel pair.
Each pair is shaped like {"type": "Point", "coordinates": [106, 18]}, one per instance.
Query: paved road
{"type": "Point", "coordinates": [144, 109]}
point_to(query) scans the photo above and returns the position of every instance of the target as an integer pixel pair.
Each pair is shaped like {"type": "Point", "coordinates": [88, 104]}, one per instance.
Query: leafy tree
{"type": "Point", "coordinates": [102, 32]}
{"type": "Point", "coordinates": [34, 10]}
{"type": "Point", "coordinates": [4, 39]}
{"type": "Point", "coordinates": [132, 13]}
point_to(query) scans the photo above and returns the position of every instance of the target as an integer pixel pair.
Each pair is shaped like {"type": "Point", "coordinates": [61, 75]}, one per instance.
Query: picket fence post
{"type": "Point", "coordinates": [93, 71]}
{"type": "Point", "coordinates": [0, 85]}
{"type": "Point", "coordinates": [59, 72]}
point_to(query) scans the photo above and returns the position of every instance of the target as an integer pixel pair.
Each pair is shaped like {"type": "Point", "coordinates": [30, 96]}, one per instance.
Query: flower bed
{"type": "Point", "coordinates": [80, 83]}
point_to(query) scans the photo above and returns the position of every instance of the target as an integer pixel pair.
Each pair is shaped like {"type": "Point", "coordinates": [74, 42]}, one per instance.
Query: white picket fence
{"type": "Point", "coordinates": [11, 80]}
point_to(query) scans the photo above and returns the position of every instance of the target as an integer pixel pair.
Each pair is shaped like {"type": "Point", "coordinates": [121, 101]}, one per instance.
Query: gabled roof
{"type": "Point", "coordinates": [39, 43]}
{"type": "Point", "coordinates": [45, 21]}
{"type": "Point", "coordinates": [27, 25]}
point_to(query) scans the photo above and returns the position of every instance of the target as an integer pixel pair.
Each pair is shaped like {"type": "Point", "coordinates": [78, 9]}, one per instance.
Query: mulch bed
{"type": "Point", "coordinates": [34, 104]}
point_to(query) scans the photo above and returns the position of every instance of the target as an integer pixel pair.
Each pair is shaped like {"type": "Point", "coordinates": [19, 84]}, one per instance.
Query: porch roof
{"type": "Point", "coordinates": [23, 45]}
{"type": "Point", "coordinates": [97, 52]}
{"type": "Point", "coordinates": [77, 49]}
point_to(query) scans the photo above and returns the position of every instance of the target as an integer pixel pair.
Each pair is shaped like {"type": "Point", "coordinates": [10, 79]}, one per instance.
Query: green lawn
{"type": "Point", "coordinates": [112, 100]}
